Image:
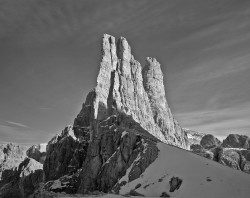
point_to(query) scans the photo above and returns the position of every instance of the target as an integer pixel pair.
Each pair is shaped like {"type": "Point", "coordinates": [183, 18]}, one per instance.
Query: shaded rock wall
{"type": "Point", "coordinates": [37, 152]}
{"type": "Point", "coordinates": [123, 143]}
{"type": "Point", "coordinates": [65, 153]}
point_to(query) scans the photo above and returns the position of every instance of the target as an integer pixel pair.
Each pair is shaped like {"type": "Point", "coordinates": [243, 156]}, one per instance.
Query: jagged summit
{"type": "Point", "coordinates": [124, 87]}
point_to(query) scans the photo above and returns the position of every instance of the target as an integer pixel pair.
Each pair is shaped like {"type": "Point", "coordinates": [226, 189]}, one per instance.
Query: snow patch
{"type": "Point", "coordinates": [201, 177]}
{"type": "Point", "coordinates": [125, 177]}
{"type": "Point", "coordinates": [145, 146]}
{"type": "Point", "coordinates": [58, 184]}
{"type": "Point", "coordinates": [124, 133]}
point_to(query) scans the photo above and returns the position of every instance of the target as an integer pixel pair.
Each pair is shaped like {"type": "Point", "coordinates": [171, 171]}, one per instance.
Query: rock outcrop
{"type": "Point", "coordinates": [37, 152]}
{"type": "Point", "coordinates": [123, 144]}
{"type": "Point", "coordinates": [175, 183]}
{"type": "Point", "coordinates": [123, 87]}
{"type": "Point", "coordinates": [65, 153]}
{"type": "Point", "coordinates": [236, 141]}
{"type": "Point", "coordinates": [11, 155]}
{"type": "Point", "coordinates": [22, 181]}
{"type": "Point", "coordinates": [233, 152]}
{"type": "Point", "coordinates": [194, 137]}
{"type": "Point", "coordinates": [209, 141]}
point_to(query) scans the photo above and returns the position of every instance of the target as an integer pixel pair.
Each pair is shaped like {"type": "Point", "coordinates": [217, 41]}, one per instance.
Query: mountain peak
{"type": "Point", "coordinates": [124, 87]}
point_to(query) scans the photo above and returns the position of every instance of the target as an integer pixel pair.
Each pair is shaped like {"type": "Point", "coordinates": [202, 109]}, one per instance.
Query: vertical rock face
{"type": "Point", "coordinates": [124, 87]}
{"type": "Point", "coordinates": [154, 86]}
{"type": "Point", "coordinates": [120, 123]}
{"type": "Point", "coordinates": [65, 154]}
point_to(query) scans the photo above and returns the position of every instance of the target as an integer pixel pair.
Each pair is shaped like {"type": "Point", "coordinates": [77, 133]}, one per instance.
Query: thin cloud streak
{"type": "Point", "coordinates": [209, 70]}
{"type": "Point", "coordinates": [17, 124]}
{"type": "Point", "coordinates": [219, 122]}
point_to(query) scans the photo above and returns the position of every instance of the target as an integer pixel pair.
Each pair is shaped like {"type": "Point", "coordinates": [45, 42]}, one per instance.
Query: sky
{"type": "Point", "coordinates": [50, 56]}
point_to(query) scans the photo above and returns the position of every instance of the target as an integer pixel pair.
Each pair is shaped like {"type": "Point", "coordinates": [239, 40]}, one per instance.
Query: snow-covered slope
{"type": "Point", "coordinates": [201, 177]}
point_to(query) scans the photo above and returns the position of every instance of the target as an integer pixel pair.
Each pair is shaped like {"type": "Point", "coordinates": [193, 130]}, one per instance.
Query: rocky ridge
{"type": "Point", "coordinates": [21, 169]}
{"type": "Point", "coordinates": [11, 155]}
{"type": "Point", "coordinates": [233, 151]}
{"type": "Point", "coordinates": [21, 181]}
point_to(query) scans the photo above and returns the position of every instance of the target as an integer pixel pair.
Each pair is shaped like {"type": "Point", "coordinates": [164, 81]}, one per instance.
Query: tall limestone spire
{"type": "Point", "coordinates": [124, 87]}
{"type": "Point", "coordinates": [154, 86]}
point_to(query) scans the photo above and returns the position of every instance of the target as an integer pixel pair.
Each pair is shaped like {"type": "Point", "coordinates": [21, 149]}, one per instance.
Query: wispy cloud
{"type": "Point", "coordinates": [219, 122]}
{"type": "Point", "coordinates": [17, 124]}
{"type": "Point", "coordinates": [43, 108]}
{"type": "Point", "coordinates": [21, 134]}
{"type": "Point", "coordinates": [217, 68]}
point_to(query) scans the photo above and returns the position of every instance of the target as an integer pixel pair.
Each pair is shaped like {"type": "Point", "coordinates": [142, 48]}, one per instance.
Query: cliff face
{"type": "Point", "coordinates": [122, 119]}
{"type": "Point", "coordinates": [11, 155]}
{"type": "Point", "coordinates": [124, 87]}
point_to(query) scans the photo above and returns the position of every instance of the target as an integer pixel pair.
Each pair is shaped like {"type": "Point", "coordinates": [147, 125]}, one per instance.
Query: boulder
{"type": "Point", "coordinates": [175, 183]}
{"type": "Point", "coordinates": [230, 158]}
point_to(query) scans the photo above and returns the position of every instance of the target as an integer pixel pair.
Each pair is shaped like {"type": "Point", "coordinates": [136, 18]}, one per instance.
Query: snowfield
{"type": "Point", "coordinates": [201, 177]}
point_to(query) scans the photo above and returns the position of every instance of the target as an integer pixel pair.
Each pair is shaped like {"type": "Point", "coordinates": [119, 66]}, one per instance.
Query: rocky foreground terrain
{"type": "Point", "coordinates": [234, 151]}
{"type": "Point", "coordinates": [126, 142]}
